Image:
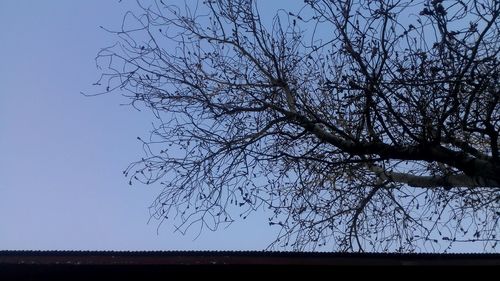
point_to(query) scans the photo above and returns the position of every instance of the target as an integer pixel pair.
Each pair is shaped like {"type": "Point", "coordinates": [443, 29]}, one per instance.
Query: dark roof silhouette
{"type": "Point", "coordinates": [221, 258]}
{"type": "Point", "coordinates": [239, 265]}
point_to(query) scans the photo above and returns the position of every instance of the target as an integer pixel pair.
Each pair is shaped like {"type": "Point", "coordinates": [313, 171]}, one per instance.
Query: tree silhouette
{"type": "Point", "coordinates": [362, 125]}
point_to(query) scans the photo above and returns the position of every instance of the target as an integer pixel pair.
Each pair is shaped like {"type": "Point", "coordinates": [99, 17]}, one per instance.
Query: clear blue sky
{"type": "Point", "coordinates": [62, 154]}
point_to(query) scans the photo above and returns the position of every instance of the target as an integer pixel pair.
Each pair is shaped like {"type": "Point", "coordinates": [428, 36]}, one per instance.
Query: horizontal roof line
{"type": "Point", "coordinates": [176, 258]}
{"type": "Point", "coordinates": [226, 252]}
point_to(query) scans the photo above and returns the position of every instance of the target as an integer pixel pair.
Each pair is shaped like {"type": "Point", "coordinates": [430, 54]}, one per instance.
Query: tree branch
{"type": "Point", "coordinates": [432, 181]}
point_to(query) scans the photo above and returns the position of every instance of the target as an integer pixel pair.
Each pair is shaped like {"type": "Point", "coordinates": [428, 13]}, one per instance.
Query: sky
{"type": "Point", "coordinates": [62, 154]}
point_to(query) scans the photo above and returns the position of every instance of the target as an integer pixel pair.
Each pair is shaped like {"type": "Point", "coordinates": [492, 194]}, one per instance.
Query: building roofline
{"type": "Point", "coordinates": [170, 258]}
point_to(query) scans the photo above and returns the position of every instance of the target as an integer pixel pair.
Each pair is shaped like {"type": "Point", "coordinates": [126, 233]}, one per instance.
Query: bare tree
{"type": "Point", "coordinates": [362, 125]}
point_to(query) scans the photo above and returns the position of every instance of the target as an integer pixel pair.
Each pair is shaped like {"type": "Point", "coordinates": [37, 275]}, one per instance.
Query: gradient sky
{"type": "Point", "coordinates": [62, 154]}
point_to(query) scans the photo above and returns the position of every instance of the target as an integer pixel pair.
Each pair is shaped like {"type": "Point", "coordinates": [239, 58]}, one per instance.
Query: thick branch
{"type": "Point", "coordinates": [478, 172]}
{"type": "Point", "coordinates": [433, 181]}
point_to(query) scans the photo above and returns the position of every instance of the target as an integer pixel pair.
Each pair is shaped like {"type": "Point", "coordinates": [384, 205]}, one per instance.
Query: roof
{"type": "Point", "coordinates": [182, 265]}
{"type": "Point", "coordinates": [218, 258]}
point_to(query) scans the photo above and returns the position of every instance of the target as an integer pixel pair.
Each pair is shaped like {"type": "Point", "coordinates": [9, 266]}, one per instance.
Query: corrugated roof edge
{"type": "Point", "coordinates": [227, 252]}
{"type": "Point", "coordinates": [60, 259]}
